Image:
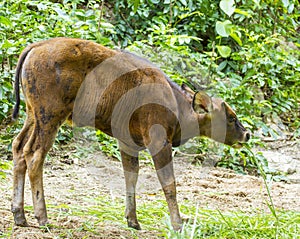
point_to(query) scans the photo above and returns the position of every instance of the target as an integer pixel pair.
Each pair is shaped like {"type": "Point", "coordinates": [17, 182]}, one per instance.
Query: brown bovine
{"type": "Point", "coordinates": [119, 93]}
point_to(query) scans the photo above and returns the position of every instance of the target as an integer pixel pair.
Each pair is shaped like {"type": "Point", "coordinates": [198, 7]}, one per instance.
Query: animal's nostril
{"type": "Point", "coordinates": [247, 136]}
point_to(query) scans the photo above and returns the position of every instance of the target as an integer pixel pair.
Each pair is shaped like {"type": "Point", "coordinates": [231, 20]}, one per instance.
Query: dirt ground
{"type": "Point", "coordinates": [70, 181]}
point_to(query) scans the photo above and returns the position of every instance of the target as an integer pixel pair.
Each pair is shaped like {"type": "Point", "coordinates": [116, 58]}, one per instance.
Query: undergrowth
{"type": "Point", "coordinates": [153, 216]}
{"type": "Point", "coordinates": [215, 224]}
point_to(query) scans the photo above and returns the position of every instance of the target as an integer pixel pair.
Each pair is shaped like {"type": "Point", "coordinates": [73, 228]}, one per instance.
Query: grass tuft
{"type": "Point", "coordinates": [215, 224]}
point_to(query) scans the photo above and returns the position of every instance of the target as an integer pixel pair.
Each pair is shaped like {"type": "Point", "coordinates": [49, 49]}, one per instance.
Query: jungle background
{"type": "Point", "coordinates": [245, 51]}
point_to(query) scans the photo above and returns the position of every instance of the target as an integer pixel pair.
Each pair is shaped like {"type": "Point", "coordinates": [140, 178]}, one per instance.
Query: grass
{"type": "Point", "coordinates": [94, 216]}
{"type": "Point", "coordinates": [215, 224]}
{"type": "Point", "coordinates": [153, 216]}
{"type": "Point", "coordinates": [107, 211]}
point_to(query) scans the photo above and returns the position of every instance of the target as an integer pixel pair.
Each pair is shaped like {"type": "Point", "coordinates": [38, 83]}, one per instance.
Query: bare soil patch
{"type": "Point", "coordinates": [70, 182]}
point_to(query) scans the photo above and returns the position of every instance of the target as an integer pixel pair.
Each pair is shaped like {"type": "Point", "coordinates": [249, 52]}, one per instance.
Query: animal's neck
{"type": "Point", "coordinates": [187, 126]}
{"type": "Point", "coordinates": [190, 123]}
{"type": "Point", "coordinates": [204, 122]}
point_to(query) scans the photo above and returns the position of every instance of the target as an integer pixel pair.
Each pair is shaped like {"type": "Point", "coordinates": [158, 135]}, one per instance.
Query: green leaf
{"type": "Point", "coordinates": [223, 28]}
{"type": "Point", "coordinates": [242, 12]}
{"type": "Point", "coordinates": [41, 6]}
{"type": "Point", "coordinates": [285, 3]}
{"type": "Point", "coordinates": [183, 2]}
{"type": "Point", "coordinates": [2, 175]}
{"type": "Point", "coordinates": [235, 37]}
{"type": "Point", "coordinates": [291, 8]}
{"type": "Point", "coordinates": [224, 51]}
{"type": "Point", "coordinates": [5, 21]}
{"type": "Point", "coordinates": [136, 5]}
{"type": "Point", "coordinates": [154, 1]}
{"type": "Point", "coordinates": [222, 66]}
{"type": "Point", "coordinates": [227, 6]}
{"type": "Point", "coordinates": [62, 13]}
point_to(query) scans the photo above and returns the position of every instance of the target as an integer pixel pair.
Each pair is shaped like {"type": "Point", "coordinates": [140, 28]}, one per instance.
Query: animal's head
{"type": "Point", "coordinates": [217, 120]}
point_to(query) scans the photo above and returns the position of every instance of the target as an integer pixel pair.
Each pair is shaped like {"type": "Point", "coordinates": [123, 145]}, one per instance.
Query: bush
{"type": "Point", "coordinates": [23, 22]}
{"type": "Point", "coordinates": [245, 51]}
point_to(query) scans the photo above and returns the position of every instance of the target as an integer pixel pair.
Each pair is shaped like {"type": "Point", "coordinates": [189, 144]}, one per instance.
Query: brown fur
{"type": "Point", "coordinates": [119, 93]}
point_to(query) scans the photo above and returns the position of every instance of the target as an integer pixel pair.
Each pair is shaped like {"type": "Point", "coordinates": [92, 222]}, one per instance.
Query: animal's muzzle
{"type": "Point", "coordinates": [247, 136]}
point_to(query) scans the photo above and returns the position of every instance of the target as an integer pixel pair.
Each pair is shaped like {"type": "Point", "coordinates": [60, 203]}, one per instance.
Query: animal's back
{"type": "Point", "coordinates": [62, 76]}
{"type": "Point", "coordinates": [57, 67]}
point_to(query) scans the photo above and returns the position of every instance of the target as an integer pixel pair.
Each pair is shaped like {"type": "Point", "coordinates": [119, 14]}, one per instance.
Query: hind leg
{"type": "Point", "coordinates": [35, 151]}
{"type": "Point", "coordinates": [19, 171]}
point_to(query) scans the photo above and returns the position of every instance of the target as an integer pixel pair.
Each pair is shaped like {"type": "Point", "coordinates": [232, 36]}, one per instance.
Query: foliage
{"type": "Point", "coordinates": [203, 223]}
{"type": "Point", "coordinates": [245, 51]}
{"type": "Point", "coordinates": [251, 44]}
{"type": "Point", "coordinates": [24, 22]}
{"type": "Point", "coordinates": [180, 64]}
{"type": "Point", "coordinates": [4, 166]}
{"type": "Point", "coordinates": [108, 145]}
{"type": "Point", "coordinates": [165, 23]}
{"type": "Point", "coordinates": [250, 59]}
{"type": "Point", "coordinates": [215, 224]}
{"type": "Point", "coordinates": [264, 81]}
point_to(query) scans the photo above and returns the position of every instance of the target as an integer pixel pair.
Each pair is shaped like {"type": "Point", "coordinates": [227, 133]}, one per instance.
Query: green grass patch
{"type": "Point", "coordinates": [215, 224]}
{"type": "Point", "coordinates": [202, 223]}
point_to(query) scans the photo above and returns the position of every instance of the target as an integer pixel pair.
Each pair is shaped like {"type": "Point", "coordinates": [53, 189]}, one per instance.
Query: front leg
{"type": "Point", "coordinates": [164, 167]}
{"type": "Point", "coordinates": [131, 169]}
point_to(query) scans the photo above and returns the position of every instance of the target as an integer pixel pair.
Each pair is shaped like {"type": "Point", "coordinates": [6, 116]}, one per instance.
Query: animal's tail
{"type": "Point", "coordinates": [17, 81]}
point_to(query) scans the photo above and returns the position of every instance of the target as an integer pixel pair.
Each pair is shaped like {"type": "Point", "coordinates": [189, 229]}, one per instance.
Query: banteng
{"type": "Point", "coordinates": [121, 94]}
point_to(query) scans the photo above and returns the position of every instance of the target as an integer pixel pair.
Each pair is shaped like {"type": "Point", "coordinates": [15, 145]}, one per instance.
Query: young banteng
{"type": "Point", "coordinates": [119, 93]}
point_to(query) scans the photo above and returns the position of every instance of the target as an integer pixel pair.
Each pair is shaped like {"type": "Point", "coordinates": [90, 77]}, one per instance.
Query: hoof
{"type": "Point", "coordinates": [22, 223]}
{"type": "Point", "coordinates": [44, 223]}
{"type": "Point", "coordinates": [177, 225]}
{"type": "Point", "coordinates": [134, 225]}
{"type": "Point", "coordinates": [19, 218]}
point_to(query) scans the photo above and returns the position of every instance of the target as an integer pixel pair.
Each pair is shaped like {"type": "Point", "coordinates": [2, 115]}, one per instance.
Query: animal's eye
{"type": "Point", "coordinates": [231, 119]}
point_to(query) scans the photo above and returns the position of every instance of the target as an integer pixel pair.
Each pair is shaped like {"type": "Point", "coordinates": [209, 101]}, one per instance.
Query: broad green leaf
{"type": "Point", "coordinates": [227, 6]}
{"type": "Point", "coordinates": [107, 25]}
{"type": "Point", "coordinates": [6, 44]}
{"type": "Point", "coordinates": [223, 28]}
{"type": "Point", "coordinates": [224, 51]}
{"type": "Point", "coordinates": [2, 175]}
{"type": "Point", "coordinates": [12, 50]}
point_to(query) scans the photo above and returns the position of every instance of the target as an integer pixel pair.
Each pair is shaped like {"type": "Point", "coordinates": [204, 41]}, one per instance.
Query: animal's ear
{"type": "Point", "coordinates": [187, 89]}
{"type": "Point", "coordinates": [229, 111]}
{"type": "Point", "coordinates": [202, 102]}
